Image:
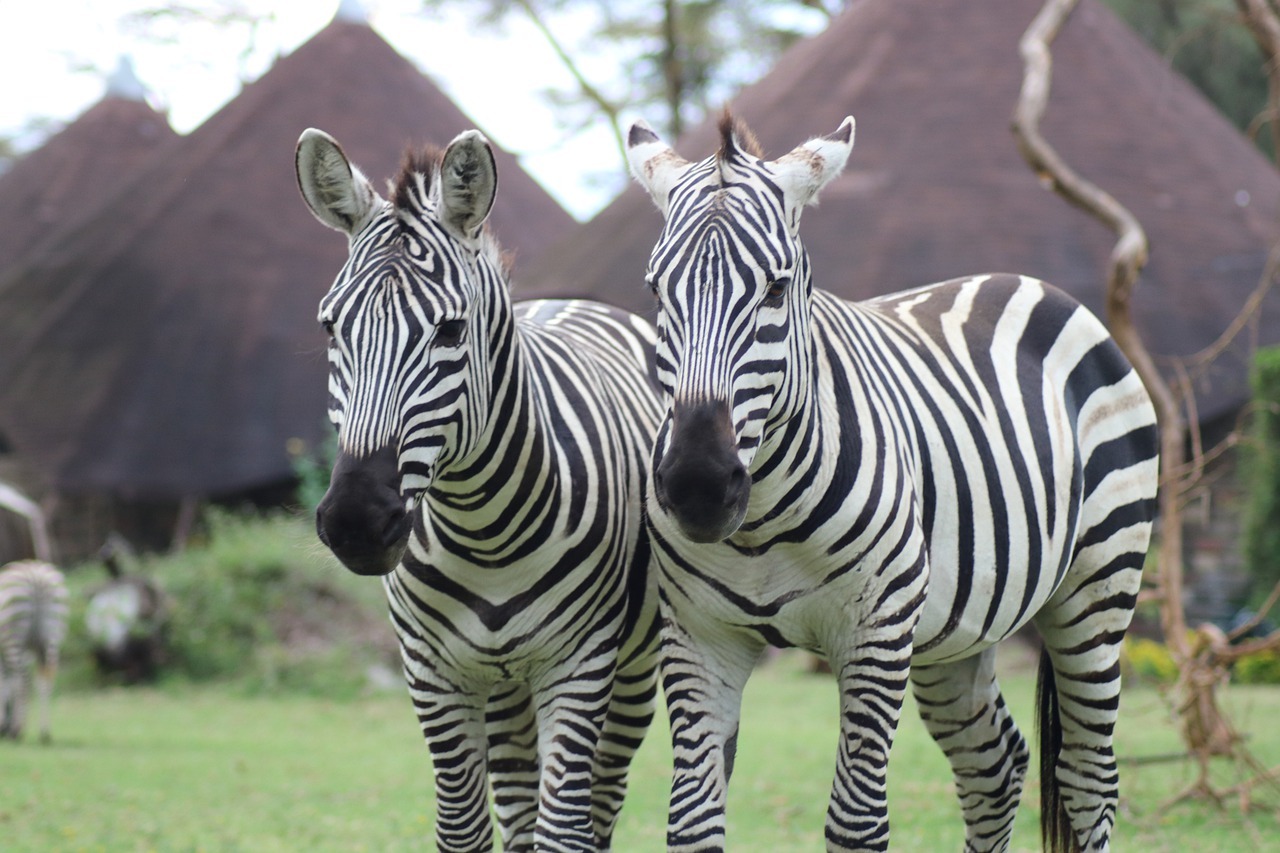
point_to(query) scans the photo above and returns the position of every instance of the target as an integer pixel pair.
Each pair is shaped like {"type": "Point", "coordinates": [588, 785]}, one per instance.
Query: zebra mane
{"type": "Point", "coordinates": [419, 169]}
{"type": "Point", "coordinates": [736, 138]}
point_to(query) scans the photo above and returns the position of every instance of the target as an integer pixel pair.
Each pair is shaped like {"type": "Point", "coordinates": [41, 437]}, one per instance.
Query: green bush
{"type": "Point", "coordinates": [1261, 466]}
{"type": "Point", "coordinates": [1149, 660]}
{"type": "Point", "coordinates": [258, 600]}
{"type": "Point", "coordinates": [312, 467]}
{"type": "Point", "coordinates": [1260, 668]}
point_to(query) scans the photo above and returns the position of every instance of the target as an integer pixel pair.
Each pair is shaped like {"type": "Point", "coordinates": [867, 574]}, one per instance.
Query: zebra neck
{"type": "Point", "coordinates": [492, 489]}
{"type": "Point", "coordinates": [811, 462]}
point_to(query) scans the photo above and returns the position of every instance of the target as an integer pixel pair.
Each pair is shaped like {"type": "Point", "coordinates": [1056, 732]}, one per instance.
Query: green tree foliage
{"type": "Point", "coordinates": [675, 59]}
{"type": "Point", "coordinates": [1262, 470]}
{"type": "Point", "coordinates": [670, 60]}
{"type": "Point", "coordinates": [1206, 41]}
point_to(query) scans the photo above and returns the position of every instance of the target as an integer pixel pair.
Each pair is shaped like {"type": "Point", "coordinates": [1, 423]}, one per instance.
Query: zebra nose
{"type": "Point", "coordinates": [715, 487]}
{"type": "Point", "coordinates": [700, 480]}
{"type": "Point", "coordinates": [361, 518]}
{"type": "Point", "coordinates": [736, 489]}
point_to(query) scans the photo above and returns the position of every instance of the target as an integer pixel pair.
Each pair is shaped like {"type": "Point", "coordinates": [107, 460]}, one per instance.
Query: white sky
{"type": "Point", "coordinates": [46, 45]}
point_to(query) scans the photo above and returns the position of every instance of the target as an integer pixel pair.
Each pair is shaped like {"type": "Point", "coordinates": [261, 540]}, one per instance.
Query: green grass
{"type": "Point", "coordinates": [214, 769]}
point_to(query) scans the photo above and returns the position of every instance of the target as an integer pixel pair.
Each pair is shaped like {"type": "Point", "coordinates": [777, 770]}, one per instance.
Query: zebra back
{"type": "Point", "coordinates": [33, 610]}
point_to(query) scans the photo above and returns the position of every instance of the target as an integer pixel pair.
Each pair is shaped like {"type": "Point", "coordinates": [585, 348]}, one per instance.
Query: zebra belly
{"type": "Point", "coordinates": [947, 633]}
{"type": "Point", "coordinates": [788, 597]}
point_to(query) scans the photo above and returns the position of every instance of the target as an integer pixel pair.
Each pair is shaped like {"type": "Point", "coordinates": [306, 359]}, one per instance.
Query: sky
{"type": "Point", "coordinates": [55, 55]}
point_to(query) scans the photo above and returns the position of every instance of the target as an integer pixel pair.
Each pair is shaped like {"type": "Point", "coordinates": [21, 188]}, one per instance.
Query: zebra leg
{"type": "Point", "coordinates": [45, 674]}
{"type": "Point", "coordinates": [703, 677]}
{"type": "Point", "coordinates": [1079, 697]}
{"type": "Point", "coordinates": [19, 686]}
{"type": "Point", "coordinates": [512, 730]}
{"type": "Point", "coordinates": [872, 684]}
{"type": "Point", "coordinates": [630, 712]}
{"type": "Point", "coordinates": [963, 710]}
{"type": "Point", "coordinates": [8, 674]}
{"type": "Point", "coordinates": [1082, 627]}
{"type": "Point", "coordinates": [572, 701]}
{"type": "Point", "coordinates": [453, 725]}
{"type": "Point", "coordinates": [6, 710]}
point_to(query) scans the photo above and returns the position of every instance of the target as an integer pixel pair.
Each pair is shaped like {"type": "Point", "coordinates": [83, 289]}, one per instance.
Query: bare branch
{"type": "Point", "coordinates": [611, 110]}
{"type": "Point", "coordinates": [1249, 312]}
{"type": "Point", "coordinates": [1127, 260]}
{"type": "Point", "coordinates": [1262, 20]}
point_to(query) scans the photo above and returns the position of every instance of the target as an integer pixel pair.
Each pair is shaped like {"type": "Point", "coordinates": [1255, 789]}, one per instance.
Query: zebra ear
{"type": "Point", "coordinates": [468, 183]}
{"type": "Point", "coordinates": [809, 167]}
{"type": "Point", "coordinates": [335, 190]}
{"type": "Point", "coordinates": [654, 164]}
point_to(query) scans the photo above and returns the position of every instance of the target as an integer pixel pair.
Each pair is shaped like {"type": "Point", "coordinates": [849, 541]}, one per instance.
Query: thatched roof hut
{"type": "Point", "coordinates": [935, 187]}
{"type": "Point", "coordinates": [163, 345]}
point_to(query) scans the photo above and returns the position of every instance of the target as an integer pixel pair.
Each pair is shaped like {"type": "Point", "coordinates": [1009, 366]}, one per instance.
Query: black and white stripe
{"type": "Point", "coordinates": [519, 436]}
{"type": "Point", "coordinates": [33, 623]}
{"type": "Point", "coordinates": [896, 484]}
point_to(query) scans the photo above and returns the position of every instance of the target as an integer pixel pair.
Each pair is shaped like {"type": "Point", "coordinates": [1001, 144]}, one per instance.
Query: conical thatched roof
{"type": "Point", "coordinates": [81, 165]}
{"type": "Point", "coordinates": [167, 344]}
{"type": "Point", "coordinates": [936, 188]}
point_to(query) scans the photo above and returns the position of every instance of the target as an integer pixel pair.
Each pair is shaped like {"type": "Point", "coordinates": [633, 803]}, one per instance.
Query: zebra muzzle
{"type": "Point", "coordinates": [700, 480]}
{"type": "Point", "coordinates": [362, 518]}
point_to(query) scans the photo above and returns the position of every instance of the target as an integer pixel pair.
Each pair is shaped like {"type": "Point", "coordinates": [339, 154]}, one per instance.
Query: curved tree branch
{"type": "Point", "coordinates": [611, 110]}
{"type": "Point", "coordinates": [1262, 20]}
{"type": "Point", "coordinates": [1128, 257]}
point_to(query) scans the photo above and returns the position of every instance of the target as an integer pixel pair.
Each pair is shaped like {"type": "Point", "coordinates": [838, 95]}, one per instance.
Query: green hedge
{"type": "Point", "coordinates": [257, 600]}
{"type": "Point", "coordinates": [1261, 459]}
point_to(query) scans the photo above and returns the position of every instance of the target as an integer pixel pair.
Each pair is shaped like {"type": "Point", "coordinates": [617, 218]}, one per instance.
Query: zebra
{"type": "Point", "coordinates": [897, 484]}
{"type": "Point", "coordinates": [491, 467]}
{"type": "Point", "coordinates": [33, 623]}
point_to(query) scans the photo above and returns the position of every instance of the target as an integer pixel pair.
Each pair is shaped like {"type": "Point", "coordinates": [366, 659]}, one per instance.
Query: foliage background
{"type": "Point", "coordinates": [1261, 457]}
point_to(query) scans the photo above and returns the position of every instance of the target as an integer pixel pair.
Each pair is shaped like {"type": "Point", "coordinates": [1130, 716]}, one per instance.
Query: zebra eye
{"type": "Point", "coordinates": [651, 282]}
{"type": "Point", "coordinates": [776, 288]}
{"type": "Point", "coordinates": [327, 325]}
{"type": "Point", "coordinates": [449, 332]}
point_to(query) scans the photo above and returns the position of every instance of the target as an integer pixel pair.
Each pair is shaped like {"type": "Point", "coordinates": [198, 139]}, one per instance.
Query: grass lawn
{"type": "Point", "coordinates": [213, 770]}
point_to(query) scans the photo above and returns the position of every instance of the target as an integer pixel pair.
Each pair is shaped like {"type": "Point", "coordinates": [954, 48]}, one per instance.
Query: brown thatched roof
{"type": "Point", "coordinates": [81, 165]}
{"type": "Point", "coordinates": [935, 187]}
{"type": "Point", "coordinates": [167, 345]}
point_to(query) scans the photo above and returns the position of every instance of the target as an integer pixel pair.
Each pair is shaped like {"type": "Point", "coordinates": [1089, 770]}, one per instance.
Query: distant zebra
{"type": "Point", "coordinates": [897, 484]}
{"type": "Point", "coordinates": [33, 622]}
{"type": "Point", "coordinates": [491, 465]}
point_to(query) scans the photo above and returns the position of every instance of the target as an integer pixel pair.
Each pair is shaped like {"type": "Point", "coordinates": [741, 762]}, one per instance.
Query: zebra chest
{"type": "Point", "coordinates": [791, 595]}
{"type": "Point", "coordinates": [492, 618]}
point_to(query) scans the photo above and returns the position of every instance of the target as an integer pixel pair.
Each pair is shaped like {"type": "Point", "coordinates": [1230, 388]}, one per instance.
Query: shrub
{"type": "Point", "coordinates": [259, 600]}
{"type": "Point", "coordinates": [1260, 668]}
{"type": "Point", "coordinates": [1149, 660]}
{"type": "Point", "coordinates": [1261, 461]}
{"type": "Point", "coordinates": [312, 467]}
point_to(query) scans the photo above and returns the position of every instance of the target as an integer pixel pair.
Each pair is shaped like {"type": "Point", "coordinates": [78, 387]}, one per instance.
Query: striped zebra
{"type": "Point", "coordinates": [33, 622]}
{"type": "Point", "coordinates": [896, 484]}
{"type": "Point", "coordinates": [491, 466]}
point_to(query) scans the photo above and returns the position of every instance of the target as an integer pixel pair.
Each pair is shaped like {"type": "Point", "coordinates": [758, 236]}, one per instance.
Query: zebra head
{"type": "Point", "coordinates": [409, 366]}
{"type": "Point", "coordinates": [732, 284]}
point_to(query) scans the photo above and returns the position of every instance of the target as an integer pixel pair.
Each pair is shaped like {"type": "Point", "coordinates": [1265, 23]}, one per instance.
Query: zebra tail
{"type": "Point", "coordinates": [1056, 835]}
